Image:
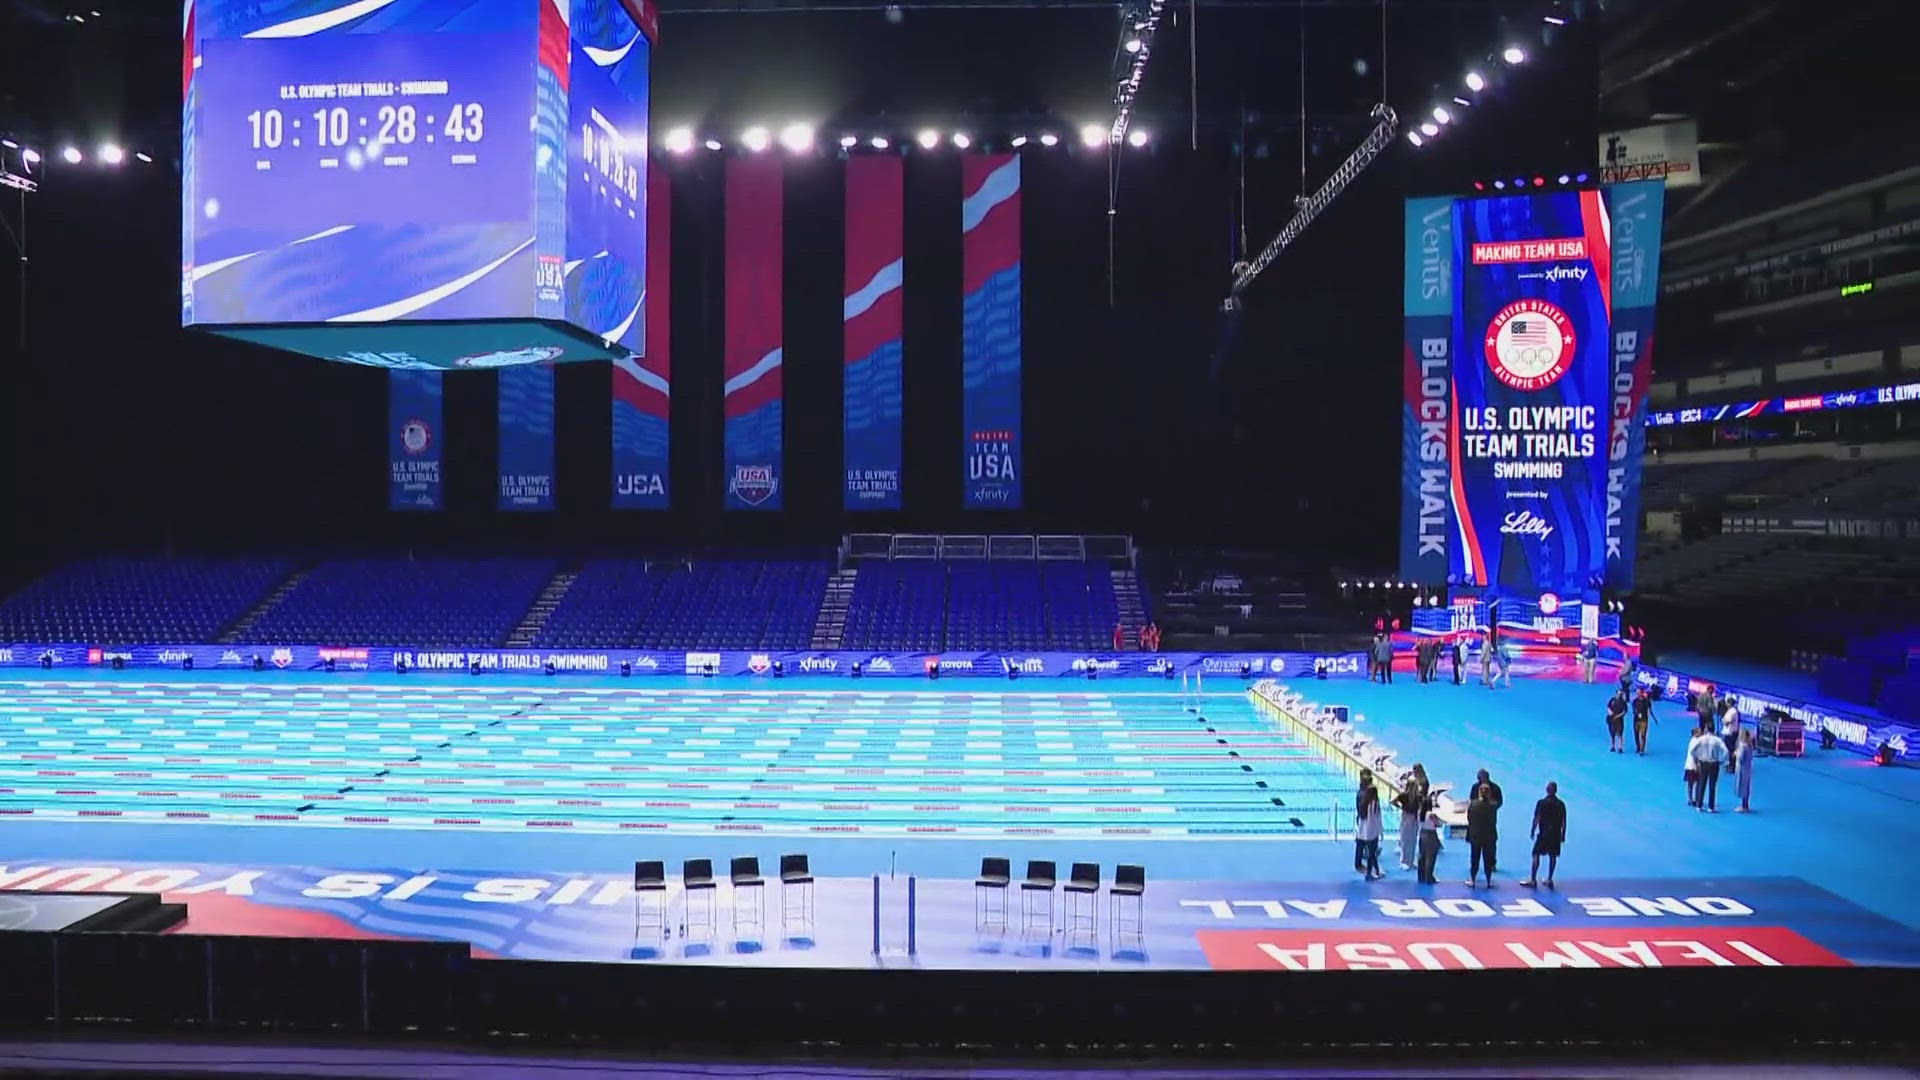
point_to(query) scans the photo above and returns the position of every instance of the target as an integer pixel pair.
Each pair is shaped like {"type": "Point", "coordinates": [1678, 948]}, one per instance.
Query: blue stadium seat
{"type": "Point", "coordinates": [152, 601]}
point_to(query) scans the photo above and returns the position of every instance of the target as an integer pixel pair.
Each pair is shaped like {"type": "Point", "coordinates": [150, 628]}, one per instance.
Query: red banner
{"type": "Point", "coordinates": [1442, 948]}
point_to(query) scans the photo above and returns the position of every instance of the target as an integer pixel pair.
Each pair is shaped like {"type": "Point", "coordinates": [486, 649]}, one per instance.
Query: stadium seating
{"type": "Point", "coordinates": [426, 603]}
{"type": "Point", "coordinates": [138, 601]}
{"type": "Point", "coordinates": [682, 604]}
{"type": "Point", "coordinates": [929, 606]}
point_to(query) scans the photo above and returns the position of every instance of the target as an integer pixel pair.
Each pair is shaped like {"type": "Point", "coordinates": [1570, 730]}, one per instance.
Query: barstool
{"type": "Point", "coordinates": [1083, 884]}
{"type": "Point", "coordinates": [745, 874]}
{"type": "Point", "coordinates": [1040, 879]}
{"type": "Point", "coordinates": [1129, 882]}
{"type": "Point", "coordinates": [995, 876]}
{"type": "Point", "coordinates": [796, 880]}
{"type": "Point", "coordinates": [696, 878]}
{"type": "Point", "coordinates": [650, 881]}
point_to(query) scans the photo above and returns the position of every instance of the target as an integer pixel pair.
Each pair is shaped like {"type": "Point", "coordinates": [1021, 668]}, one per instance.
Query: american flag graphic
{"type": "Point", "coordinates": [1532, 331]}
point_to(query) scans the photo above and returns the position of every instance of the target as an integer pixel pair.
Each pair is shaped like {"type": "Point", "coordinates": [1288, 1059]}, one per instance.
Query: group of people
{"type": "Point", "coordinates": [1496, 659]}
{"type": "Point", "coordinates": [1422, 832]}
{"type": "Point", "coordinates": [1720, 743]}
{"type": "Point", "coordinates": [1149, 637]}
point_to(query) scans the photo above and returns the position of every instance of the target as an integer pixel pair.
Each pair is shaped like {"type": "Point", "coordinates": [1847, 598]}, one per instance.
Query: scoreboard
{"type": "Point", "coordinates": [454, 184]}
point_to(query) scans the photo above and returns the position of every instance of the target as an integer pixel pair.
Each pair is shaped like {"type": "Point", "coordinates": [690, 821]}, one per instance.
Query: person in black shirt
{"type": "Point", "coordinates": [1642, 714]}
{"type": "Point", "coordinates": [1483, 832]}
{"type": "Point", "coordinates": [1483, 780]}
{"type": "Point", "coordinates": [1549, 831]}
{"type": "Point", "coordinates": [1617, 724]}
{"type": "Point", "coordinates": [1455, 659]}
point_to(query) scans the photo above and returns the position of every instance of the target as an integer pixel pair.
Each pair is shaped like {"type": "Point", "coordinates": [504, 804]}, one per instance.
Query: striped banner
{"type": "Point", "coordinates": [990, 329]}
{"type": "Point", "coordinates": [642, 386]}
{"type": "Point", "coordinates": [413, 439]}
{"type": "Point", "coordinates": [754, 249]}
{"type": "Point", "coordinates": [526, 437]}
{"type": "Point", "coordinates": [871, 319]}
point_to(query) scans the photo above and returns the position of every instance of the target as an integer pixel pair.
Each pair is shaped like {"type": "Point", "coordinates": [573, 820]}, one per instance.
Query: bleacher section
{"type": "Point", "coordinates": [930, 606]}
{"type": "Point", "coordinates": [138, 601]}
{"type": "Point", "coordinates": [427, 603]}
{"type": "Point", "coordinates": [682, 604]}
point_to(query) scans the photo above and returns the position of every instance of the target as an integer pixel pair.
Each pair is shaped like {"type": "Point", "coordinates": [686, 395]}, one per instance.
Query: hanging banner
{"type": "Point", "coordinates": [413, 439]}
{"type": "Point", "coordinates": [990, 329]}
{"type": "Point", "coordinates": [1669, 153]}
{"type": "Point", "coordinates": [1426, 470]}
{"type": "Point", "coordinates": [1532, 388]}
{"type": "Point", "coordinates": [754, 249]}
{"type": "Point", "coordinates": [871, 323]}
{"type": "Point", "coordinates": [1636, 211]}
{"type": "Point", "coordinates": [526, 437]}
{"type": "Point", "coordinates": [642, 386]}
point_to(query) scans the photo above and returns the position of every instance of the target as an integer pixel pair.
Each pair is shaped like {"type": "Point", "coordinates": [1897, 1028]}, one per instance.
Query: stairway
{"type": "Point", "coordinates": [1133, 614]}
{"type": "Point", "coordinates": [830, 626]}
{"type": "Point", "coordinates": [244, 625]}
{"type": "Point", "coordinates": [536, 617]}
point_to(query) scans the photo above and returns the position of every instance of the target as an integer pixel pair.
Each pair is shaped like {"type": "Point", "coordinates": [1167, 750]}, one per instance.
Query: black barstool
{"type": "Point", "coordinates": [1129, 882]}
{"type": "Point", "coordinates": [650, 898]}
{"type": "Point", "coordinates": [696, 877]}
{"type": "Point", "coordinates": [995, 876]}
{"type": "Point", "coordinates": [1040, 881]}
{"type": "Point", "coordinates": [745, 874]}
{"type": "Point", "coordinates": [1083, 884]}
{"type": "Point", "coordinates": [796, 881]}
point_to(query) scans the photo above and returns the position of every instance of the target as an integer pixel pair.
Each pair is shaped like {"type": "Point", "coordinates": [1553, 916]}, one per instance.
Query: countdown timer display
{"type": "Point", "coordinates": [355, 164]}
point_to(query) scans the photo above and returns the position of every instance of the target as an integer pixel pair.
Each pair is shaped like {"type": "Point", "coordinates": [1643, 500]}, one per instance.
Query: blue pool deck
{"type": "Point", "coordinates": [508, 812]}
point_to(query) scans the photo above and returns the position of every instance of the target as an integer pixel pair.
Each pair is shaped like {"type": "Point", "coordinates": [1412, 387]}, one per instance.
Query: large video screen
{"type": "Point", "coordinates": [468, 161]}
{"type": "Point", "coordinates": [1527, 359]}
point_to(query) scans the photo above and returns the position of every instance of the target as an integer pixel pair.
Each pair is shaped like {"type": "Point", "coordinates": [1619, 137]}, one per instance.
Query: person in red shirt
{"type": "Point", "coordinates": [1119, 637]}
{"type": "Point", "coordinates": [1152, 634]}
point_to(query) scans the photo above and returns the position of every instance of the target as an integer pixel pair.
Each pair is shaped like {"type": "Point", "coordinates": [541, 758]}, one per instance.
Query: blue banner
{"type": "Point", "coordinates": [717, 662]}
{"type": "Point", "coordinates": [1428, 417]}
{"type": "Point", "coordinates": [1635, 213]}
{"type": "Point", "coordinates": [871, 314]}
{"type": "Point", "coordinates": [526, 438]}
{"type": "Point", "coordinates": [991, 330]}
{"type": "Point", "coordinates": [413, 440]}
{"type": "Point", "coordinates": [1531, 312]}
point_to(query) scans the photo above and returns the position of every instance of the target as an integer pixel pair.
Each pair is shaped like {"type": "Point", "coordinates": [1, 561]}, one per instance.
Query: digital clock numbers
{"type": "Point", "coordinates": [603, 145]}
{"type": "Point", "coordinates": [390, 125]}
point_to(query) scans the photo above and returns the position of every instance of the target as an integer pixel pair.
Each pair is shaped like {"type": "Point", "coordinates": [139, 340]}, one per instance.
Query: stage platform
{"type": "Point", "coordinates": [507, 813]}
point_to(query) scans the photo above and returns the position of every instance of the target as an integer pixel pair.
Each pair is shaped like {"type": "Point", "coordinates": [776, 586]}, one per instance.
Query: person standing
{"type": "Point", "coordinates": [1549, 832]}
{"type": "Point", "coordinates": [1429, 847]}
{"type": "Point", "coordinates": [1119, 637]}
{"type": "Point", "coordinates": [1367, 827]}
{"type": "Point", "coordinates": [1589, 658]}
{"type": "Point", "coordinates": [1744, 755]}
{"type": "Point", "coordinates": [1642, 714]}
{"type": "Point", "coordinates": [1705, 707]}
{"type": "Point", "coordinates": [1617, 724]}
{"type": "Point", "coordinates": [1383, 655]}
{"type": "Point", "coordinates": [1413, 806]}
{"type": "Point", "coordinates": [1455, 660]}
{"type": "Point", "coordinates": [1707, 753]}
{"type": "Point", "coordinates": [1486, 660]}
{"type": "Point", "coordinates": [1730, 732]}
{"type": "Point", "coordinates": [1483, 833]}
{"type": "Point", "coordinates": [1503, 656]}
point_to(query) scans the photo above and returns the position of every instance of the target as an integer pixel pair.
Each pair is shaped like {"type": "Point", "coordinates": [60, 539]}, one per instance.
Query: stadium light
{"type": "Point", "coordinates": [112, 154]}
{"type": "Point", "coordinates": [848, 142]}
{"type": "Point", "coordinates": [1136, 46]}
{"type": "Point", "coordinates": [961, 140]}
{"type": "Point", "coordinates": [755, 139]}
{"type": "Point", "coordinates": [797, 138]}
{"type": "Point", "coordinates": [1136, 138]}
{"type": "Point", "coordinates": [1514, 55]}
{"type": "Point", "coordinates": [1554, 20]}
{"type": "Point", "coordinates": [1019, 141]}
{"type": "Point", "coordinates": [1475, 83]}
{"type": "Point", "coordinates": [71, 154]}
{"type": "Point", "coordinates": [1414, 138]}
{"type": "Point", "coordinates": [713, 144]}
{"type": "Point", "coordinates": [1049, 139]}
{"type": "Point", "coordinates": [1092, 135]}
{"type": "Point", "coordinates": [879, 142]}
{"type": "Point", "coordinates": [1441, 115]}
{"type": "Point", "coordinates": [929, 139]}
{"type": "Point", "coordinates": [1564, 178]}
{"type": "Point", "coordinates": [1429, 129]}
{"type": "Point", "coordinates": [1386, 126]}
{"type": "Point", "coordinates": [1499, 185]}
{"type": "Point", "coordinates": [679, 140]}
{"type": "Point", "coordinates": [144, 156]}
{"type": "Point", "coordinates": [1133, 45]}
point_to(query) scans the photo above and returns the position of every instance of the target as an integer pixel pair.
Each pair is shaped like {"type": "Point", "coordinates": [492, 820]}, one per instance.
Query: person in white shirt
{"type": "Point", "coordinates": [1730, 732]}
{"type": "Point", "coordinates": [1705, 754]}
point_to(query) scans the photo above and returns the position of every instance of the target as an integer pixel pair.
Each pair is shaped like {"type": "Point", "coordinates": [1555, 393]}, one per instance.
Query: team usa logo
{"type": "Point", "coordinates": [416, 436]}
{"type": "Point", "coordinates": [1549, 604]}
{"type": "Point", "coordinates": [752, 484]}
{"type": "Point", "coordinates": [1530, 344]}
